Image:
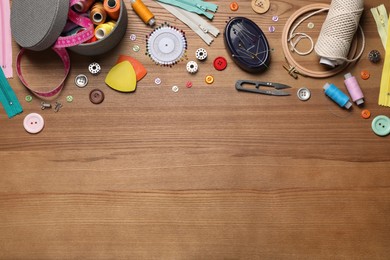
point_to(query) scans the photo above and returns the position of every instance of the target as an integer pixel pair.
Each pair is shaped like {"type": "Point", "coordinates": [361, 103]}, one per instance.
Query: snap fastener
{"type": "Point", "coordinates": [94, 68]}
{"type": "Point", "coordinates": [303, 94]}
{"type": "Point", "coordinates": [201, 54]}
{"type": "Point", "coordinates": [192, 67]}
{"type": "Point", "coordinates": [96, 96]}
{"type": "Point", "coordinates": [381, 125]}
{"type": "Point", "coordinates": [366, 114]}
{"type": "Point", "coordinates": [33, 123]}
{"type": "Point", "coordinates": [81, 80]}
{"type": "Point", "coordinates": [220, 63]}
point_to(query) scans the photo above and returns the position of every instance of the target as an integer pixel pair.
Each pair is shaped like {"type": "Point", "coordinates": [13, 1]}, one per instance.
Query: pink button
{"type": "Point", "coordinates": [33, 123]}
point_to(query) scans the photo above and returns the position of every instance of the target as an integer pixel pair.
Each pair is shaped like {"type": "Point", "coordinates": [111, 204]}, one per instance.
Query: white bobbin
{"type": "Point", "coordinates": [192, 67]}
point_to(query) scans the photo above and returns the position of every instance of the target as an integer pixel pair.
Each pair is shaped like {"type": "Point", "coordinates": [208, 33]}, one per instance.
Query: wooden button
{"type": "Point", "coordinates": [96, 96]}
{"type": "Point", "coordinates": [260, 6]}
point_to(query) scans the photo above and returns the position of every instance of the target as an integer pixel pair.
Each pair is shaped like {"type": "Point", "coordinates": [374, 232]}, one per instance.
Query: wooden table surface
{"type": "Point", "coordinates": [204, 173]}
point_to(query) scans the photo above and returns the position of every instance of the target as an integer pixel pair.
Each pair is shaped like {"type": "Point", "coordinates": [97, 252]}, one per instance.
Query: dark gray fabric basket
{"type": "Point", "coordinates": [36, 25]}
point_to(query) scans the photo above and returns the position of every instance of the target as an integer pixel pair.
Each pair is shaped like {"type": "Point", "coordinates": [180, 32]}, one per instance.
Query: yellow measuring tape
{"type": "Point", "coordinates": [384, 93]}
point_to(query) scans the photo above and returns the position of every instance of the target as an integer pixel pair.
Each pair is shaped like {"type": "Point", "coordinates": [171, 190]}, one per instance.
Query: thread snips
{"type": "Point", "coordinates": [257, 87]}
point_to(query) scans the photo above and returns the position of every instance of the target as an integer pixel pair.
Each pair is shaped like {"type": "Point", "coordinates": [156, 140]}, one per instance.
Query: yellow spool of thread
{"type": "Point", "coordinates": [143, 12]}
{"type": "Point", "coordinates": [98, 15]}
{"type": "Point", "coordinates": [103, 30]}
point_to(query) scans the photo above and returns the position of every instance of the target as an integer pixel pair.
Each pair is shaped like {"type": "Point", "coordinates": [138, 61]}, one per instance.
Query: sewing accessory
{"type": "Point", "coordinates": [45, 105]}
{"type": "Point", "coordinates": [136, 48]}
{"type": "Point", "coordinates": [275, 18]}
{"type": "Point", "coordinates": [220, 63]}
{"type": "Point", "coordinates": [69, 99]}
{"type": "Point", "coordinates": [374, 56]}
{"type": "Point", "coordinates": [192, 67]}
{"type": "Point", "coordinates": [143, 12]}
{"type": "Point", "coordinates": [381, 19]}
{"type": "Point", "coordinates": [189, 84]}
{"type": "Point", "coordinates": [209, 79]}
{"type": "Point", "coordinates": [112, 7]}
{"type": "Point", "coordinates": [194, 6]}
{"type": "Point", "coordinates": [166, 45]}
{"type": "Point", "coordinates": [33, 123]}
{"type": "Point", "coordinates": [354, 89]}
{"type": "Point", "coordinates": [271, 29]}
{"type": "Point", "coordinates": [157, 81]}
{"type": "Point", "coordinates": [98, 15]}
{"type": "Point", "coordinates": [197, 24]}
{"type": "Point", "coordinates": [6, 39]}
{"type": "Point", "coordinates": [337, 32]}
{"type": "Point", "coordinates": [384, 92]}
{"type": "Point", "coordinates": [133, 37]}
{"type": "Point", "coordinates": [247, 44]}
{"type": "Point", "coordinates": [337, 95]}
{"type": "Point", "coordinates": [303, 94]}
{"type": "Point", "coordinates": [81, 80]}
{"type": "Point", "coordinates": [310, 25]}
{"type": "Point", "coordinates": [103, 30]}
{"type": "Point", "coordinates": [201, 54]}
{"type": "Point", "coordinates": [381, 125]}
{"type": "Point", "coordinates": [96, 96]}
{"type": "Point", "coordinates": [8, 97]}
{"type": "Point", "coordinates": [365, 113]}
{"type": "Point", "coordinates": [122, 77]}
{"type": "Point", "coordinates": [57, 106]}
{"type": "Point", "coordinates": [233, 6]}
{"type": "Point", "coordinates": [275, 91]}
{"type": "Point", "coordinates": [291, 23]}
{"type": "Point", "coordinates": [365, 74]}
{"type": "Point", "coordinates": [175, 89]}
{"type": "Point", "coordinates": [140, 70]}
{"type": "Point", "coordinates": [28, 98]}
{"type": "Point", "coordinates": [94, 68]}
{"type": "Point", "coordinates": [260, 6]}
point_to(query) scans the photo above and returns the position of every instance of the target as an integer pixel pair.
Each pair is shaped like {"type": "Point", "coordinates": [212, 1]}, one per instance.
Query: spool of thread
{"type": "Point", "coordinates": [98, 15]}
{"type": "Point", "coordinates": [338, 30]}
{"type": "Point", "coordinates": [143, 12]}
{"type": "Point", "coordinates": [103, 30]}
{"type": "Point", "coordinates": [112, 7]}
{"type": "Point", "coordinates": [83, 5]}
{"type": "Point", "coordinates": [354, 89]}
{"type": "Point", "coordinates": [337, 95]}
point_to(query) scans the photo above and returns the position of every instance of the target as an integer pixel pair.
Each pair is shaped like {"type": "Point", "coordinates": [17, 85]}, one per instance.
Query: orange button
{"type": "Point", "coordinates": [234, 6]}
{"type": "Point", "coordinates": [364, 74]}
{"type": "Point", "coordinates": [209, 79]}
{"type": "Point", "coordinates": [366, 113]}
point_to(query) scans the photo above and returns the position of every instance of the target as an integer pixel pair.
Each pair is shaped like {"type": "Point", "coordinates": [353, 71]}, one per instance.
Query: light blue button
{"type": "Point", "coordinates": [381, 125]}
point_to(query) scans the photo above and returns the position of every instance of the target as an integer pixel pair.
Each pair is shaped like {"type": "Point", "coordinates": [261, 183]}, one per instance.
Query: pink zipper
{"type": "Point", "coordinates": [6, 41]}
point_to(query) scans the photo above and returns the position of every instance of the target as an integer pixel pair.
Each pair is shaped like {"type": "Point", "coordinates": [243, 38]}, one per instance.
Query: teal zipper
{"type": "Point", "coordinates": [8, 98]}
{"type": "Point", "coordinates": [194, 6]}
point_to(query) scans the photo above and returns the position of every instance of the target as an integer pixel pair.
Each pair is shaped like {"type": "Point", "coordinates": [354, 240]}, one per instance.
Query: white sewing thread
{"type": "Point", "coordinates": [339, 29]}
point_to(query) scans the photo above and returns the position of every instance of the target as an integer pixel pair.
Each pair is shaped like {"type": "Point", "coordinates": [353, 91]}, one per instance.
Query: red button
{"type": "Point", "coordinates": [220, 63]}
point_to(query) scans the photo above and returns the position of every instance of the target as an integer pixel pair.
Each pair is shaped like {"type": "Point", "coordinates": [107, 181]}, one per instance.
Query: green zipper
{"type": "Point", "coordinates": [194, 6]}
{"type": "Point", "coordinates": [8, 98]}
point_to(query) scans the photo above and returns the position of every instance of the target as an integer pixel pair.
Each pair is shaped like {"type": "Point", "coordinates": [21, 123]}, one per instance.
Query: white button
{"type": "Point", "coordinates": [303, 94]}
{"type": "Point", "coordinates": [33, 123]}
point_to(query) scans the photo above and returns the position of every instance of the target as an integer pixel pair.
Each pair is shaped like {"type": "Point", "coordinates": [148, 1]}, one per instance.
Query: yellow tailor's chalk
{"type": "Point", "coordinates": [122, 77]}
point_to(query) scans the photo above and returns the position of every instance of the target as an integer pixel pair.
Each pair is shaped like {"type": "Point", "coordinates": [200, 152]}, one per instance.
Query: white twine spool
{"type": "Point", "coordinates": [338, 30]}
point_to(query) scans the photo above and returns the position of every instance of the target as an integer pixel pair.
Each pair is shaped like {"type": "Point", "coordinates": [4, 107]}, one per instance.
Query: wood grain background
{"type": "Point", "coordinates": [205, 173]}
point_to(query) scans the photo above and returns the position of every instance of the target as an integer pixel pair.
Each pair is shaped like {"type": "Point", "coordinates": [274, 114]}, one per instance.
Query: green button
{"type": "Point", "coordinates": [381, 125]}
{"type": "Point", "coordinates": [28, 98]}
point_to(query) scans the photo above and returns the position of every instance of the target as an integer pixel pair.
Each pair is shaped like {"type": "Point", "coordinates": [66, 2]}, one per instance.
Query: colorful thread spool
{"type": "Point", "coordinates": [98, 14]}
{"type": "Point", "coordinates": [354, 89]}
{"type": "Point", "coordinates": [83, 5]}
{"type": "Point", "coordinates": [103, 30]}
{"type": "Point", "coordinates": [337, 95]}
{"type": "Point", "coordinates": [112, 7]}
{"type": "Point", "coordinates": [143, 12]}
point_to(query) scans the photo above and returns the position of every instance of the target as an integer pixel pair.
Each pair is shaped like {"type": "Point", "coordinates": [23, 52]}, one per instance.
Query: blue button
{"type": "Point", "coordinates": [381, 125]}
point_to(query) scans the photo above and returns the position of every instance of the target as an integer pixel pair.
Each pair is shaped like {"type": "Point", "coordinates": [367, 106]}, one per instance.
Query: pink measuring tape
{"type": "Point", "coordinates": [59, 47]}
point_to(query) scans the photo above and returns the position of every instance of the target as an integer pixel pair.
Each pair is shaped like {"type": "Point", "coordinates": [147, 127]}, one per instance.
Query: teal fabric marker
{"type": "Point", "coordinates": [8, 98]}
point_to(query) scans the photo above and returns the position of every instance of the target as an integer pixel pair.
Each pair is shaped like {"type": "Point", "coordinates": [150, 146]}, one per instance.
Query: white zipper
{"type": "Point", "coordinates": [5, 36]}
{"type": "Point", "coordinates": [196, 23]}
{"type": "Point", "coordinates": [195, 6]}
{"type": "Point", "coordinates": [381, 19]}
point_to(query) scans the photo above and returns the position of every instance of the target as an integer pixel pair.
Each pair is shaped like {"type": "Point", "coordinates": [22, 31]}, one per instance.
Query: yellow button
{"type": "Point", "coordinates": [209, 79]}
